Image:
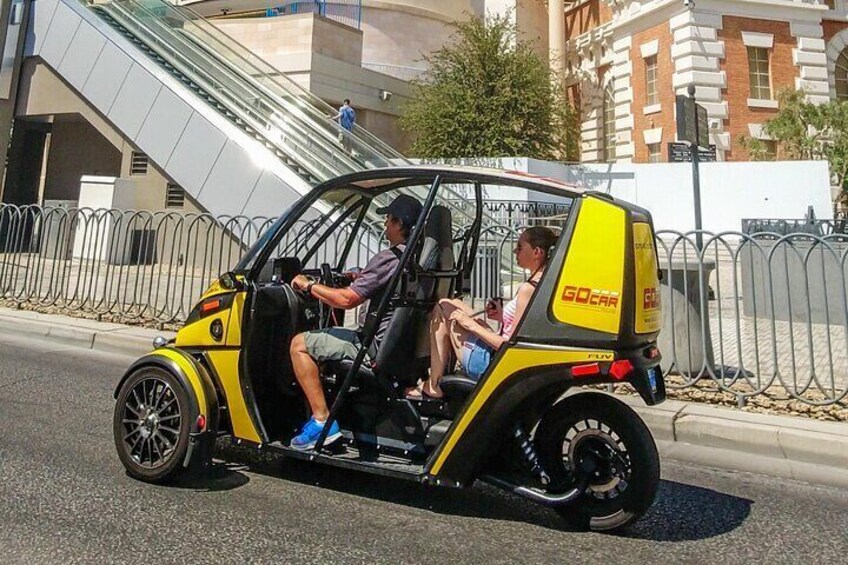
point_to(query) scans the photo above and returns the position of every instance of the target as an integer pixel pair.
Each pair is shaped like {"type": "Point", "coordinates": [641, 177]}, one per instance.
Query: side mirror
{"type": "Point", "coordinates": [229, 281]}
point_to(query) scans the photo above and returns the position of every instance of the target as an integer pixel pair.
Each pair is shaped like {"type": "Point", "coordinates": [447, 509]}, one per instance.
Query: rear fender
{"type": "Point", "coordinates": [203, 399]}
{"type": "Point", "coordinates": [524, 397]}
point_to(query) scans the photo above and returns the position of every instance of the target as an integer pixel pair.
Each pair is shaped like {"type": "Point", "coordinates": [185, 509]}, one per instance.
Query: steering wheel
{"type": "Point", "coordinates": [327, 278]}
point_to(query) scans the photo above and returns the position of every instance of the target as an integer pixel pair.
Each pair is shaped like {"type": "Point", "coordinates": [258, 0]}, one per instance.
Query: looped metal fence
{"type": "Point", "coordinates": [748, 314]}
{"type": "Point", "coordinates": [757, 314]}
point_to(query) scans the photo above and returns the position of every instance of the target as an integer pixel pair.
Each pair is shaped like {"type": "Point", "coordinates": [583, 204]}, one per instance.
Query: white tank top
{"type": "Point", "coordinates": [509, 318]}
{"type": "Point", "coordinates": [509, 314]}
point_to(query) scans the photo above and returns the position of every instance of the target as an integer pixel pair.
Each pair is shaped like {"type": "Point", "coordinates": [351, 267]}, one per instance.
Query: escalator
{"type": "Point", "coordinates": [240, 137]}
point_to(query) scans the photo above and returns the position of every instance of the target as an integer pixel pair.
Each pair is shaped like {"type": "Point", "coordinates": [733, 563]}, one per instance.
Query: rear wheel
{"type": "Point", "coordinates": [151, 425]}
{"type": "Point", "coordinates": [594, 439]}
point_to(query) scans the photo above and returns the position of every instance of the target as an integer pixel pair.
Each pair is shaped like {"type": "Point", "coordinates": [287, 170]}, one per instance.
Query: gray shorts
{"type": "Point", "coordinates": [332, 344]}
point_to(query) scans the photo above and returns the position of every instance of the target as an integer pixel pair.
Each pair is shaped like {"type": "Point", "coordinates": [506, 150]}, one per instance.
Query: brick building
{"type": "Point", "coordinates": [625, 60]}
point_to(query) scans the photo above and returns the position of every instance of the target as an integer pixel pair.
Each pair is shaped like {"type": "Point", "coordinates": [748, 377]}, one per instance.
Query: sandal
{"type": "Point", "coordinates": [418, 393]}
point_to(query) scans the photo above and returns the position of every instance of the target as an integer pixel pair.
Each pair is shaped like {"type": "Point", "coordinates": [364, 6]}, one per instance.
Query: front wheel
{"type": "Point", "coordinates": [151, 425]}
{"type": "Point", "coordinates": [596, 440]}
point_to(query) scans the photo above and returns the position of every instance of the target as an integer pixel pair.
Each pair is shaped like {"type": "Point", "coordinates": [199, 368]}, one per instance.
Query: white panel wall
{"type": "Point", "coordinates": [730, 192]}
{"type": "Point", "coordinates": [164, 125]}
{"type": "Point", "coordinates": [105, 80]}
{"type": "Point", "coordinates": [134, 100]}
{"type": "Point", "coordinates": [191, 160]}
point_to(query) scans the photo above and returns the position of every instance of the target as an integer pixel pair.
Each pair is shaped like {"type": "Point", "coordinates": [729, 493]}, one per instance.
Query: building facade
{"type": "Point", "coordinates": [626, 60]}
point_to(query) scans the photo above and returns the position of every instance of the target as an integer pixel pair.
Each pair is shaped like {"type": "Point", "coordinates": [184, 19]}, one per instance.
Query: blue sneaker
{"type": "Point", "coordinates": [308, 436]}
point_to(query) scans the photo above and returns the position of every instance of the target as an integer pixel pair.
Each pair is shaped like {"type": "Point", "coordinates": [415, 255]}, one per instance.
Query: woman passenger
{"type": "Point", "coordinates": [472, 340]}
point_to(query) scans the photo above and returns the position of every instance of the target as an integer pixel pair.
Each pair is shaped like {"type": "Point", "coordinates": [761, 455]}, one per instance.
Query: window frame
{"type": "Point", "coordinates": [652, 92]}
{"type": "Point", "coordinates": [654, 157]}
{"type": "Point", "coordinates": [608, 130]}
{"type": "Point", "coordinates": [840, 75]}
{"type": "Point", "coordinates": [756, 75]}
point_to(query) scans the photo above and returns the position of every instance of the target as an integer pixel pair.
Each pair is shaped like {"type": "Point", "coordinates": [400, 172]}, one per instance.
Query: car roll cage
{"type": "Point", "coordinates": [372, 321]}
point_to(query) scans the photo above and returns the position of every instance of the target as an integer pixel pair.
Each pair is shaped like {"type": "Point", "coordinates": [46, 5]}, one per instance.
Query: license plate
{"type": "Point", "coordinates": [653, 375]}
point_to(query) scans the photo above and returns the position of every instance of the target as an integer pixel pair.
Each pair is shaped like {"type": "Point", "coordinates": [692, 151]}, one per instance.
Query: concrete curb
{"type": "Point", "coordinates": [783, 446]}
{"type": "Point", "coordinates": [76, 332]}
{"type": "Point", "coordinates": [724, 438]}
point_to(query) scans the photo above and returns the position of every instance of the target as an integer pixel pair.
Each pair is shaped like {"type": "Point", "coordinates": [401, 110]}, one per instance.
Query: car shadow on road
{"type": "Point", "coordinates": [219, 476]}
{"type": "Point", "coordinates": [681, 512]}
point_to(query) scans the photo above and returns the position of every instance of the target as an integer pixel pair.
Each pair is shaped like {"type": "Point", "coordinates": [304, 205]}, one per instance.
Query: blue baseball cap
{"type": "Point", "coordinates": [405, 208]}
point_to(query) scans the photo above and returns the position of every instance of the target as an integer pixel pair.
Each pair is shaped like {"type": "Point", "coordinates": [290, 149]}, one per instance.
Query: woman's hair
{"type": "Point", "coordinates": [541, 237]}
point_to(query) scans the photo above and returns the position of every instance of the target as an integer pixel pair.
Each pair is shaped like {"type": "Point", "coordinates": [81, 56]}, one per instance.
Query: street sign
{"type": "Point", "coordinates": [693, 125]}
{"type": "Point", "coordinates": [680, 152]}
{"type": "Point", "coordinates": [703, 127]}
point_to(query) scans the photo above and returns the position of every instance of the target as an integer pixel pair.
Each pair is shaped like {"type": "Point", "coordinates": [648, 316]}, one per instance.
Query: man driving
{"type": "Point", "coordinates": [334, 344]}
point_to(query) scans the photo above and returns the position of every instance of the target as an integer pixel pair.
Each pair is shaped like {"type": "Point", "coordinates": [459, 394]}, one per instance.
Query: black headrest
{"type": "Point", "coordinates": [440, 226]}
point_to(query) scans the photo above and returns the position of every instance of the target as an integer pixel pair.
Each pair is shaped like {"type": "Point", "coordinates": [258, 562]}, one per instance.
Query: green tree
{"type": "Point", "coordinates": [488, 94]}
{"type": "Point", "coordinates": [808, 131]}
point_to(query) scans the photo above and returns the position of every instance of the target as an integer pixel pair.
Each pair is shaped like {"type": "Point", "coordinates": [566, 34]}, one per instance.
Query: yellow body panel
{"type": "Point", "coordinates": [233, 329]}
{"type": "Point", "coordinates": [214, 288]}
{"type": "Point", "coordinates": [197, 334]}
{"type": "Point", "coordinates": [514, 360]}
{"type": "Point", "coordinates": [187, 365]}
{"type": "Point", "coordinates": [590, 285]}
{"type": "Point", "coordinates": [648, 312]}
{"type": "Point", "coordinates": [226, 363]}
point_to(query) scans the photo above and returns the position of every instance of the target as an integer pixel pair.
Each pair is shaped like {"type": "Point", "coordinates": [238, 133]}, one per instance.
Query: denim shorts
{"type": "Point", "coordinates": [475, 358]}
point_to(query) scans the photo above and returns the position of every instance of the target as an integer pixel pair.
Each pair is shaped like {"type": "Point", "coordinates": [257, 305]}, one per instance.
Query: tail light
{"type": "Point", "coordinates": [201, 423]}
{"type": "Point", "coordinates": [620, 369]}
{"type": "Point", "coordinates": [589, 370]}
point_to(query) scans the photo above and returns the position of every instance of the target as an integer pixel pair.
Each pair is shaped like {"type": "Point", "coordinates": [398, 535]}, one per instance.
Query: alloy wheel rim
{"type": "Point", "coordinates": [592, 444]}
{"type": "Point", "coordinates": [151, 422]}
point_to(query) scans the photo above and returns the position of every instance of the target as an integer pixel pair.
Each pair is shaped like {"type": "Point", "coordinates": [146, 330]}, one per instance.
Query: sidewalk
{"type": "Point", "coordinates": [796, 448]}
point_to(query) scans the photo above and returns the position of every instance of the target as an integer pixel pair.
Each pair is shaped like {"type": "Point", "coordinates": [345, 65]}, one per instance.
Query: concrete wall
{"type": "Point", "coordinates": [274, 39]}
{"type": "Point", "coordinates": [43, 93]}
{"type": "Point", "coordinates": [325, 58]}
{"type": "Point", "coordinates": [795, 282]}
{"type": "Point", "coordinates": [77, 149]}
{"type": "Point", "coordinates": [394, 37]}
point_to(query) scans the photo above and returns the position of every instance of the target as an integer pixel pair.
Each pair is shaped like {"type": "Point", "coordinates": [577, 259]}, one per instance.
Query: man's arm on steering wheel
{"type": "Point", "coordinates": [343, 298]}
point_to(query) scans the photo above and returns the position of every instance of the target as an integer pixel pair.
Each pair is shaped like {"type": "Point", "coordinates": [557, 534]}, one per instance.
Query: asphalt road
{"type": "Point", "coordinates": [64, 498]}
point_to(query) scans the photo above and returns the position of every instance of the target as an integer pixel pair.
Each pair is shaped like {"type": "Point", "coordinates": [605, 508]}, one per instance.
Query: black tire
{"type": "Point", "coordinates": [582, 427]}
{"type": "Point", "coordinates": [151, 425]}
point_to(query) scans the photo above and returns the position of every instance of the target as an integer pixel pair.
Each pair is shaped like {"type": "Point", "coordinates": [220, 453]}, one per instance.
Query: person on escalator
{"type": "Point", "coordinates": [346, 117]}
{"type": "Point", "coordinates": [455, 330]}
{"type": "Point", "coordinates": [334, 344]}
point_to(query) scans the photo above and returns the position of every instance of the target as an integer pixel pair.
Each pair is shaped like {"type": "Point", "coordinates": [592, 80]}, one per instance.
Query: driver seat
{"type": "Point", "coordinates": [397, 360]}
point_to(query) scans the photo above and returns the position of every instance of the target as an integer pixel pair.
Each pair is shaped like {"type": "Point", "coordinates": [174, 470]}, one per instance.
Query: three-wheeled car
{"type": "Point", "coordinates": [527, 425]}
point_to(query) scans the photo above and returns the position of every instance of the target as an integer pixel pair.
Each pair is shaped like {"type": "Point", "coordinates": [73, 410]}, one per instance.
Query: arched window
{"type": "Point", "coordinates": [841, 75]}
{"type": "Point", "coordinates": [608, 139]}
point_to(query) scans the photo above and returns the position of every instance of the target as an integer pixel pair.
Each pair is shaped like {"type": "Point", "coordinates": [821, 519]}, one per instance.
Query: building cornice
{"type": "Point", "coordinates": [654, 12]}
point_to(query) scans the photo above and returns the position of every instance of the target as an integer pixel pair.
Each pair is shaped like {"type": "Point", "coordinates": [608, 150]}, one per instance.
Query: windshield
{"type": "Point", "coordinates": [332, 206]}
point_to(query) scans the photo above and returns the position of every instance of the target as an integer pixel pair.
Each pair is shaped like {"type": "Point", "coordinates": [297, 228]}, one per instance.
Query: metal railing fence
{"type": "Point", "coordinates": [347, 12]}
{"type": "Point", "coordinates": [749, 315]}
{"type": "Point", "coordinates": [790, 226]}
{"type": "Point", "coordinates": [757, 314]}
{"type": "Point", "coordinates": [402, 72]}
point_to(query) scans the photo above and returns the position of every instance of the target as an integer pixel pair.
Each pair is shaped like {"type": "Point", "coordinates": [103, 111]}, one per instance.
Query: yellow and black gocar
{"type": "Point", "coordinates": [593, 319]}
